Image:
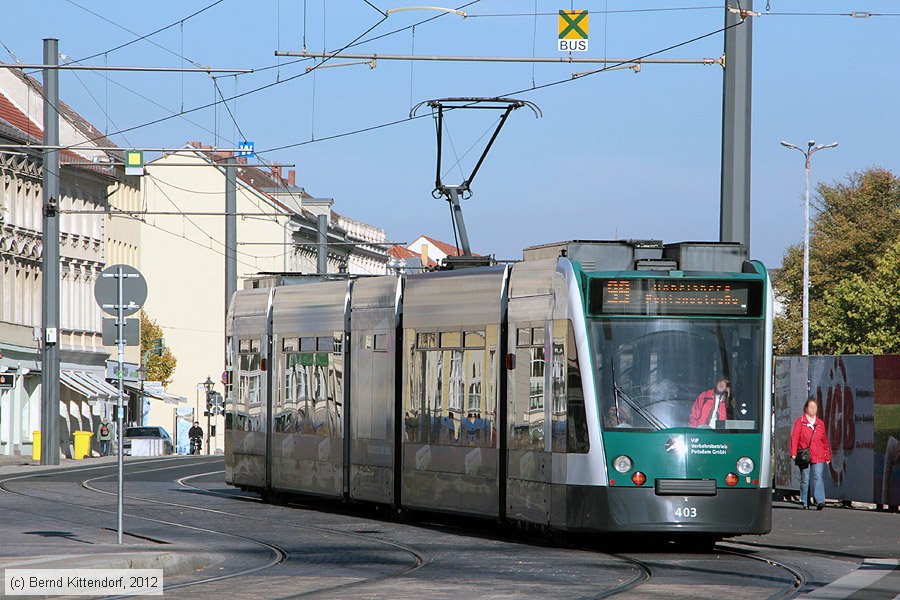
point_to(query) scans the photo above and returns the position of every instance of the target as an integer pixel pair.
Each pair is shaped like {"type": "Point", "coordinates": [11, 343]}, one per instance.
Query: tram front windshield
{"type": "Point", "coordinates": [656, 374]}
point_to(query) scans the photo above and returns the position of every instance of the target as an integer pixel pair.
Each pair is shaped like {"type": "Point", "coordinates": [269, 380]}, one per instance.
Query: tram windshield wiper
{"type": "Point", "coordinates": [647, 415]}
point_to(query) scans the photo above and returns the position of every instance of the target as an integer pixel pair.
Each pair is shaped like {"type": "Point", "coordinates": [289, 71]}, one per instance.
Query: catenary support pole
{"type": "Point", "coordinates": [50, 263]}
{"type": "Point", "coordinates": [734, 215]}
{"type": "Point", "coordinates": [230, 234]}
{"type": "Point", "coordinates": [322, 244]}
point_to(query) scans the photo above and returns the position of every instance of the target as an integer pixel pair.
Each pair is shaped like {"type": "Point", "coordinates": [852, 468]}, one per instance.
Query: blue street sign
{"type": "Point", "coordinates": [245, 149]}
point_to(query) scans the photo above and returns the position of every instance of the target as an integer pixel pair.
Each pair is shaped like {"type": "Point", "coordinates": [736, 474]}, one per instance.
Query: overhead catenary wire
{"type": "Point", "coordinates": [355, 41]}
{"type": "Point", "coordinates": [248, 92]}
{"type": "Point", "coordinates": [517, 92]}
{"type": "Point", "coordinates": [595, 12]}
{"type": "Point", "coordinates": [147, 35]}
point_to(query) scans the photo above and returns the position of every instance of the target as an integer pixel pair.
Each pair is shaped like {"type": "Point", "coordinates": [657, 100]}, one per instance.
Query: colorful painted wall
{"type": "Point", "coordinates": [859, 400]}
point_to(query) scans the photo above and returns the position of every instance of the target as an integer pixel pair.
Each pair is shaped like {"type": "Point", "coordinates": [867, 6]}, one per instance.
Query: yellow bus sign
{"type": "Point", "coordinates": [573, 31]}
{"type": "Point", "coordinates": [134, 162]}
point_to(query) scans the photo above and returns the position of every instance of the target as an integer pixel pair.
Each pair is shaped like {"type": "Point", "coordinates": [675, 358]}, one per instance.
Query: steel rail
{"type": "Point", "coordinates": [279, 554]}
{"type": "Point", "coordinates": [799, 577]}
{"type": "Point", "coordinates": [420, 557]}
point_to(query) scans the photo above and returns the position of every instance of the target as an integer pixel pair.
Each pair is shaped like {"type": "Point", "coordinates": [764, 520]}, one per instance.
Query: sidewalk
{"type": "Point", "coordinates": [43, 535]}
{"type": "Point", "coordinates": [15, 465]}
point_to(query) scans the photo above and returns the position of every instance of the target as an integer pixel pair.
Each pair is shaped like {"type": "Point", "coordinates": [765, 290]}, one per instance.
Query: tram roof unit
{"type": "Point", "coordinates": [645, 255]}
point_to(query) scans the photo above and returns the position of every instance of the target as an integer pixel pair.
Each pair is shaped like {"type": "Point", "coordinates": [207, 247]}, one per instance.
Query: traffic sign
{"type": "Point", "coordinates": [132, 332]}
{"type": "Point", "coordinates": [573, 31]}
{"type": "Point", "coordinates": [7, 381]}
{"type": "Point", "coordinates": [134, 162]}
{"type": "Point", "coordinates": [134, 290]}
{"type": "Point", "coordinates": [214, 400]}
{"type": "Point", "coordinates": [245, 149]}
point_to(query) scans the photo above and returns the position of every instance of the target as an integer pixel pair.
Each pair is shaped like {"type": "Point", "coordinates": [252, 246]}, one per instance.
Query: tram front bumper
{"type": "Point", "coordinates": [641, 510]}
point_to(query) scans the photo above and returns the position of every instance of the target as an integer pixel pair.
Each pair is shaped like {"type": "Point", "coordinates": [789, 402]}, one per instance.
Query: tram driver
{"type": "Point", "coordinates": [619, 416]}
{"type": "Point", "coordinates": [712, 405]}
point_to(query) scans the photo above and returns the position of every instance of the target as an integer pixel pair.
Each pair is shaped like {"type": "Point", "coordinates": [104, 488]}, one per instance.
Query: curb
{"type": "Point", "coordinates": [172, 563]}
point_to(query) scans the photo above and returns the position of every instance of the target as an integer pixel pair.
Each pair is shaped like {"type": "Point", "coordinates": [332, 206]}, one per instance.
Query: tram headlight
{"type": "Point", "coordinates": [622, 464]}
{"type": "Point", "coordinates": [744, 465]}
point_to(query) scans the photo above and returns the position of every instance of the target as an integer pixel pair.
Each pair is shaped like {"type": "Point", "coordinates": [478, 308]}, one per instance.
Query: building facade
{"type": "Point", "coordinates": [89, 185]}
{"type": "Point", "coordinates": [183, 259]}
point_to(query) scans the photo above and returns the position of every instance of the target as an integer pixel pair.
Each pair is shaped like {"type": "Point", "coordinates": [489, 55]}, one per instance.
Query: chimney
{"type": "Point", "coordinates": [292, 177]}
{"type": "Point", "coordinates": [424, 255]}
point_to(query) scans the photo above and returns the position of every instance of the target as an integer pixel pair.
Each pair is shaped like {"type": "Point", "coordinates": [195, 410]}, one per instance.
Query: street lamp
{"type": "Point", "coordinates": [157, 348]}
{"type": "Point", "coordinates": [811, 149]}
{"type": "Point", "coordinates": [208, 384]}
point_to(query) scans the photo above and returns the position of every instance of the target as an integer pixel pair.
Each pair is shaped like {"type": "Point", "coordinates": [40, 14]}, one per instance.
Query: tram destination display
{"type": "Point", "coordinates": [677, 297]}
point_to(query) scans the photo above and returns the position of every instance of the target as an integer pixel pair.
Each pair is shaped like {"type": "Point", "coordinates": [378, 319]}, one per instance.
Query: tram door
{"type": "Point", "coordinates": [373, 324]}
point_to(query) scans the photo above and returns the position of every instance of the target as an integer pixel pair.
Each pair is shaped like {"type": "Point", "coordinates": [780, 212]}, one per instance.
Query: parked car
{"type": "Point", "coordinates": [151, 432]}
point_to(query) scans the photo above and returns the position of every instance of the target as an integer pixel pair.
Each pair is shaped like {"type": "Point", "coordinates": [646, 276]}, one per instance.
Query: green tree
{"type": "Point", "coordinates": [857, 220]}
{"type": "Point", "coordinates": [862, 314]}
{"type": "Point", "coordinates": [159, 366]}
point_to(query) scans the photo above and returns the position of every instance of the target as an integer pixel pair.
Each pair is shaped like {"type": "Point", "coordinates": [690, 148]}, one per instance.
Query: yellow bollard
{"type": "Point", "coordinates": [82, 444]}
{"type": "Point", "coordinates": [36, 445]}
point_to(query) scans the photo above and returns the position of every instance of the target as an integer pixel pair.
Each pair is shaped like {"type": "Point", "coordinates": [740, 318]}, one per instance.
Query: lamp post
{"type": "Point", "coordinates": [208, 384]}
{"type": "Point", "coordinates": [811, 149]}
{"type": "Point", "coordinates": [157, 348]}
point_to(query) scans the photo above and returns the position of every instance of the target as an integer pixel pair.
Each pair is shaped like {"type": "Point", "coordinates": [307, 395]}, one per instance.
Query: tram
{"type": "Point", "coordinates": [595, 386]}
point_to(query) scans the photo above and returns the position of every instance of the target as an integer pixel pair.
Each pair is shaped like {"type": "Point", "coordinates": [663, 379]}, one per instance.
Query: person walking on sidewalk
{"type": "Point", "coordinates": [811, 452]}
{"type": "Point", "coordinates": [104, 436]}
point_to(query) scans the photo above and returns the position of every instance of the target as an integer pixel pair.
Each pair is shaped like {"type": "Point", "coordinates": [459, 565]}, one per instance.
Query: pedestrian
{"type": "Point", "coordinates": [104, 436]}
{"type": "Point", "coordinates": [810, 452]}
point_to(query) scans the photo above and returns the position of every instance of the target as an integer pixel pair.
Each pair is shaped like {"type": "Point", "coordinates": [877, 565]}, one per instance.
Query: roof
{"type": "Point", "coordinates": [401, 252]}
{"type": "Point", "coordinates": [68, 113]}
{"type": "Point", "coordinates": [448, 249]}
{"type": "Point", "coordinates": [29, 131]}
{"type": "Point", "coordinates": [253, 177]}
{"type": "Point", "coordinates": [10, 113]}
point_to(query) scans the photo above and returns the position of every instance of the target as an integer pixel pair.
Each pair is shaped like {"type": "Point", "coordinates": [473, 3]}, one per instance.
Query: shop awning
{"type": "Point", "coordinates": [156, 393]}
{"type": "Point", "coordinates": [87, 384]}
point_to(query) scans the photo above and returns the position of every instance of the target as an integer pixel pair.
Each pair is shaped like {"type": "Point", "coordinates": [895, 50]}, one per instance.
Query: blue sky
{"type": "Point", "coordinates": [618, 153]}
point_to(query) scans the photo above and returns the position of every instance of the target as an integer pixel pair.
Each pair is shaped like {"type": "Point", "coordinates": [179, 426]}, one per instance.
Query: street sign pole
{"type": "Point", "coordinates": [111, 296]}
{"type": "Point", "coordinates": [120, 342]}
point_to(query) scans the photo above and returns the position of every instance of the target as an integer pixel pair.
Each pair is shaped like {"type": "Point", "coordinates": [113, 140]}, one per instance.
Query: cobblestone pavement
{"type": "Point", "coordinates": [180, 505]}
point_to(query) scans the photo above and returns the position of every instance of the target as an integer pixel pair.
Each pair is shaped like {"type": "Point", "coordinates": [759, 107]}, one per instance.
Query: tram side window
{"type": "Point", "coordinates": [528, 397]}
{"type": "Point", "coordinates": [284, 402]}
{"type": "Point", "coordinates": [249, 377]}
{"type": "Point", "coordinates": [577, 440]}
{"type": "Point", "coordinates": [453, 370]}
{"type": "Point", "coordinates": [558, 406]}
{"type": "Point", "coordinates": [326, 385]}
{"type": "Point", "coordinates": [229, 383]}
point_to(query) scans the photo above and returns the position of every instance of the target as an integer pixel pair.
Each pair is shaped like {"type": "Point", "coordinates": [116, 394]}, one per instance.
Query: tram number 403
{"type": "Point", "coordinates": [686, 512]}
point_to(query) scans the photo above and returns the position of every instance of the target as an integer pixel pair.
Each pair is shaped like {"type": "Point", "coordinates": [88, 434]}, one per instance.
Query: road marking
{"type": "Point", "coordinates": [869, 572]}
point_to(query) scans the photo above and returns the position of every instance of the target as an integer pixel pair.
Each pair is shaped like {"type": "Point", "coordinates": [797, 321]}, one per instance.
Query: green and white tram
{"type": "Point", "coordinates": [594, 386]}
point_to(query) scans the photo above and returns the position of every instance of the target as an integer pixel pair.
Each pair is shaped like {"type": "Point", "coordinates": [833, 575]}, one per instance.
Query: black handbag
{"type": "Point", "coordinates": [803, 457]}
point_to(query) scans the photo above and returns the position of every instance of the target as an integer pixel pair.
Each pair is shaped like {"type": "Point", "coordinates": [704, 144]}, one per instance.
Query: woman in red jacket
{"type": "Point", "coordinates": [809, 432]}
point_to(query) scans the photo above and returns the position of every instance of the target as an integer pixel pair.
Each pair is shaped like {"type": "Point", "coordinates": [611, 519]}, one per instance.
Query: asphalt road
{"type": "Point", "coordinates": [259, 550]}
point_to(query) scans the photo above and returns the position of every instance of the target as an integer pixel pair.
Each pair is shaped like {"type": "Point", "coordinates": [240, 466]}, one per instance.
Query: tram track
{"type": "Point", "coordinates": [280, 554]}
{"type": "Point", "coordinates": [643, 575]}
{"type": "Point", "coordinates": [645, 570]}
{"type": "Point", "coordinates": [799, 577]}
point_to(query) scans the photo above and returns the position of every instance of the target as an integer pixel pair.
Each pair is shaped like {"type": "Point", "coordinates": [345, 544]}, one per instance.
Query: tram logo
{"type": "Point", "coordinates": [676, 445]}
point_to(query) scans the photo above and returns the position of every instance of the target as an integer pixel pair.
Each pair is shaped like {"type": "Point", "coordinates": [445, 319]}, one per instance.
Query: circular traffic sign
{"type": "Point", "coordinates": [134, 290]}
